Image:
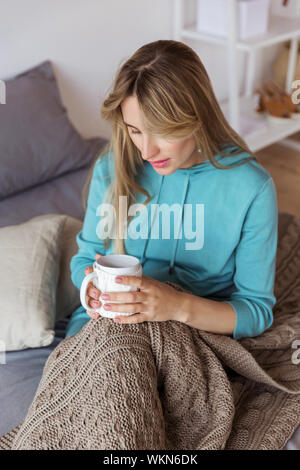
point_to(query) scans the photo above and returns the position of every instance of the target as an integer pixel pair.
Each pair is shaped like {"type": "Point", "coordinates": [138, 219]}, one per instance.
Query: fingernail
{"type": "Point", "coordinates": [117, 320]}
{"type": "Point", "coordinates": [119, 279]}
{"type": "Point", "coordinates": [105, 296]}
{"type": "Point", "coordinates": [107, 307]}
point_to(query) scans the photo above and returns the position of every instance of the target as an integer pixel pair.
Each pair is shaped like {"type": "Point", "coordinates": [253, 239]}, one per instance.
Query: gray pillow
{"type": "Point", "coordinates": [29, 272]}
{"type": "Point", "coordinates": [37, 140]}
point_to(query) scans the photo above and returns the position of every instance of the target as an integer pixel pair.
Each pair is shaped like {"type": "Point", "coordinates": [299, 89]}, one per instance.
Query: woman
{"type": "Point", "coordinates": [162, 106]}
{"type": "Point", "coordinates": [151, 382]}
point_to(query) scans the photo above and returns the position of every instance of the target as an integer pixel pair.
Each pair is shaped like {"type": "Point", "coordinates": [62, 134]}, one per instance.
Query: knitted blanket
{"type": "Point", "coordinates": [165, 385]}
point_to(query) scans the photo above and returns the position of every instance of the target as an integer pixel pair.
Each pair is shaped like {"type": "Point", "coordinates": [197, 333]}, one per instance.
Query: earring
{"type": "Point", "coordinates": [199, 150]}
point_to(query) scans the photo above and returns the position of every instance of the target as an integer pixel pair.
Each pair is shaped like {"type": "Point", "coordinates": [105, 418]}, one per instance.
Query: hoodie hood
{"type": "Point", "coordinates": [189, 174]}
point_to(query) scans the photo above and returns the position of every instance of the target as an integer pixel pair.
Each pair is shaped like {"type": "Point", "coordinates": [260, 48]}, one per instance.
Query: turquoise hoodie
{"type": "Point", "coordinates": [226, 228]}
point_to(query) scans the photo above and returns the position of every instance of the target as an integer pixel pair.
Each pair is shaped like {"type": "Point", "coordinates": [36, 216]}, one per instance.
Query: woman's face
{"type": "Point", "coordinates": [182, 153]}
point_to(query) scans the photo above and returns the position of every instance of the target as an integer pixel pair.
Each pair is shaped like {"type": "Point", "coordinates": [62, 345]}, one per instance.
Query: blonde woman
{"type": "Point", "coordinates": [221, 248]}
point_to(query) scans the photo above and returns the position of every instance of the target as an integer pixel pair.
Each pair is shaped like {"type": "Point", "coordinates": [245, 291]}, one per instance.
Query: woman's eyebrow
{"type": "Point", "coordinates": [130, 125]}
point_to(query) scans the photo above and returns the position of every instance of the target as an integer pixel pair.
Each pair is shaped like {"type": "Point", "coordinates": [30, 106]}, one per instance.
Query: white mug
{"type": "Point", "coordinates": [106, 268]}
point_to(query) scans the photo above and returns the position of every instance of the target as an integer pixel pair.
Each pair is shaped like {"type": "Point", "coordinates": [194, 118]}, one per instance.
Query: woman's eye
{"type": "Point", "coordinates": [135, 132]}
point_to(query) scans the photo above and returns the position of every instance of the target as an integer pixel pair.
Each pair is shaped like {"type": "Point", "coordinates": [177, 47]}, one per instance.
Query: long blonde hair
{"type": "Point", "coordinates": [176, 99]}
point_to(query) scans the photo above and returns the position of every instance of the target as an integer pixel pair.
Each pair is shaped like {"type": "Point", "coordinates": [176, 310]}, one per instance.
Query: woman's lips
{"type": "Point", "coordinates": [160, 163]}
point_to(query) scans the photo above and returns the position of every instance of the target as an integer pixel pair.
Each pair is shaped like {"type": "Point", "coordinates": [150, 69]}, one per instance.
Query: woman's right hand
{"type": "Point", "coordinates": [92, 294]}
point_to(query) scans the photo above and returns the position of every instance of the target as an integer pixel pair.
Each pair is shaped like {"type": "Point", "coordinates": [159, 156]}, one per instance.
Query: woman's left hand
{"type": "Point", "coordinates": [154, 301]}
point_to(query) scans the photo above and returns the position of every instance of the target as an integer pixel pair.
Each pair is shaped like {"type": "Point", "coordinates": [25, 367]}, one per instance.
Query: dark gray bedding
{"type": "Point", "coordinates": [19, 379]}
{"type": "Point", "coordinates": [62, 195]}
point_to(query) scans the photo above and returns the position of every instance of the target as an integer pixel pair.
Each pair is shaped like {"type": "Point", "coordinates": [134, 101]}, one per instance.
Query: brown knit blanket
{"type": "Point", "coordinates": [165, 385]}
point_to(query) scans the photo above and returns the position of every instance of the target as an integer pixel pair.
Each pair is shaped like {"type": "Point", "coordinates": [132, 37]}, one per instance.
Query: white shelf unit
{"type": "Point", "coordinates": [240, 110]}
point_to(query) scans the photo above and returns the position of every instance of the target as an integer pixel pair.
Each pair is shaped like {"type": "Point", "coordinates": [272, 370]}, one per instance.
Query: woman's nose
{"type": "Point", "coordinates": [150, 149]}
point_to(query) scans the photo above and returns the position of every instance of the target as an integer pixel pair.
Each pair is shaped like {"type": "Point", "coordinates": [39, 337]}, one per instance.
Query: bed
{"type": "Point", "coordinates": [58, 194]}
{"type": "Point", "coordinates": [21, 373]}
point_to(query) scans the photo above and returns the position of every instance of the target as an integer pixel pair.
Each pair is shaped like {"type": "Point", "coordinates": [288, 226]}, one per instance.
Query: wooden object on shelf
{"type": "Point", "coordinates": [275, 101]}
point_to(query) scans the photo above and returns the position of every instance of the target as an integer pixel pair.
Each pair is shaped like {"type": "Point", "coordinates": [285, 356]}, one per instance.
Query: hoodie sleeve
{"type": "Point", "coordinates": [89, 243]}
{"type": "Point", "coordinates": [255, 268]}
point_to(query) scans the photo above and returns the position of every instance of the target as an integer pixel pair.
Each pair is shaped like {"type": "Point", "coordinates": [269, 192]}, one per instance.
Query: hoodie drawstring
{"type": "Point", "coordinates": [143, 259]}
{"type": "Point", "coordinates": [174, 247]}
{"type": "Point", "coordinates": [175, 242]}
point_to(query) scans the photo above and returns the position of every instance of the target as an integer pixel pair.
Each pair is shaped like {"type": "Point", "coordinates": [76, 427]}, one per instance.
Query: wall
{"type": "Point", "coordinates": [87, 40]}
